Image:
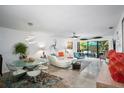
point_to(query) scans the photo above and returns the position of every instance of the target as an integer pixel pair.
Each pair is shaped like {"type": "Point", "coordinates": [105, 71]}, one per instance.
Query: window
{"type": "Point", "coordinates": [93, 48]}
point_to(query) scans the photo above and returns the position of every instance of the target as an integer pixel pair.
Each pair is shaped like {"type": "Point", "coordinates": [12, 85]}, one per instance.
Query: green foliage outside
{"type": "Point", "coordinates": [103, 46]}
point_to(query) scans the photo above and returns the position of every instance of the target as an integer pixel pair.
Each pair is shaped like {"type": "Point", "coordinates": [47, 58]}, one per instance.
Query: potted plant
{"type": "Point", "coordinates": [21, 49]}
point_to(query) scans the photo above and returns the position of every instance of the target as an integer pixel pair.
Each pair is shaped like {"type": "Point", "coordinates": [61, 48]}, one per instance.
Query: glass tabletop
{"type": "Point", "coordinates": [21, 63]}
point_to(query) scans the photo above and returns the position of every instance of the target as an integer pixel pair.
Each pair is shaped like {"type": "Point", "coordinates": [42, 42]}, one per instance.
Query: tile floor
{"type": "Point", "coordinates": [78, 79]}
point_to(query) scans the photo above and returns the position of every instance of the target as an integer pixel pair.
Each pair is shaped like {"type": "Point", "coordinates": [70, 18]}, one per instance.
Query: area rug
{"type": "Point", "coordinates": [44, 80]}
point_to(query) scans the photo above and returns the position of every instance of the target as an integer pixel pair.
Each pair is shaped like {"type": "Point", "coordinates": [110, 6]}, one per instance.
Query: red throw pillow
{"type": "Point", "coordinates": [120, 57]}
{"type": "Point", "coordinates": [117, 72]}
{"type": "Point", "coordinates": [111, 53]}
{"type": "Point", "coordinates": [116, 66]}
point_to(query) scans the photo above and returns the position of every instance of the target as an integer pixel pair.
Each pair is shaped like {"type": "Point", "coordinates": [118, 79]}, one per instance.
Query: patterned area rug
{"type": "Point", "coordinates": [44, 80]}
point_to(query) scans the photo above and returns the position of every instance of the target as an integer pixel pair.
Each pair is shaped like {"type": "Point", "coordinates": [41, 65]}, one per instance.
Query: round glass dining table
{"type": "Point", "coordinates": [21, 63]}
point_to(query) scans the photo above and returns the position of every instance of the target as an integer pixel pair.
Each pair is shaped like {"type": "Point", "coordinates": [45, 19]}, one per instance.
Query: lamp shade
{"type": "Point", "coordinates": [41, 46]}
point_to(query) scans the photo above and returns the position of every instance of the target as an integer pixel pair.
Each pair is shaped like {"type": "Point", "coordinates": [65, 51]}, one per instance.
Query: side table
{"type": "Point", "coordinates": [76, 65]}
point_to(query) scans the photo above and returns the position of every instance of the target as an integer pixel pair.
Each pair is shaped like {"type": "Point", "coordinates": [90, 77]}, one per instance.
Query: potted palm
{"type": "Point", "coordinates": [21, 49]}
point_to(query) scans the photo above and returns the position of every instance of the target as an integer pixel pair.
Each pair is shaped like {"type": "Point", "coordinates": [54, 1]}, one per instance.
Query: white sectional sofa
{"type": "Point", "coordinates": [60, 62]}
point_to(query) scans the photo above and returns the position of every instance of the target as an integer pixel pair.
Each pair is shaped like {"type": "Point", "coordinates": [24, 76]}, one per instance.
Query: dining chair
{"type": "Point", "coordinates": [33, 74]}
{"type": "Point", "coordinates": [1, 61]}
{"type": "Point", "coordinates": [43, 68]}
{"type": "Point", "coordinates": [15, 70]}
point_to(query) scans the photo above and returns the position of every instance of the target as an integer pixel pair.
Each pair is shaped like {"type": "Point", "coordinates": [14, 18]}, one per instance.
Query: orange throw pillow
{"type": "Point", "coordinates": [61, 54]}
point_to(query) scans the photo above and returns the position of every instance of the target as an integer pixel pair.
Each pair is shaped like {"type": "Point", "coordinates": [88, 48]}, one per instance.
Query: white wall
{"type": "Point", "coordinates": [118, 37]}
{"type": "Point", "coordinates": [9, 37]}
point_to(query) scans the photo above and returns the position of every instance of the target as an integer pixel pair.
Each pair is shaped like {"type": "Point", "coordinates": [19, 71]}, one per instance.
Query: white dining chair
{"type": "Point", "coordinates": [33, 74]}
{"type": "Point", "coordinates": [15, 70]}
{"type": "Point", "coordinates": [43, 68]}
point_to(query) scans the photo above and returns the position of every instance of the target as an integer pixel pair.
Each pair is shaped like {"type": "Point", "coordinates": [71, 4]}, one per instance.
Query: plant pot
{"type": "Point", "coordinates": [21, 57]}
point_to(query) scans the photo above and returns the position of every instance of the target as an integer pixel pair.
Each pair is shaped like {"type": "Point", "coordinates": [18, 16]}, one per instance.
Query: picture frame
{"type": "Point", "coordinates": [69, 45]}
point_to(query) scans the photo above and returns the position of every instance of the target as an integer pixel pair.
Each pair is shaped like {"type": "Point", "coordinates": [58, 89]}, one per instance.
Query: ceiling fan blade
{"type": "Point", "coordinates": [84, 39]}
{"type": "Point", "coordinates": [74, 35]}
{"type": "Point", "coordinates": [97, 37]}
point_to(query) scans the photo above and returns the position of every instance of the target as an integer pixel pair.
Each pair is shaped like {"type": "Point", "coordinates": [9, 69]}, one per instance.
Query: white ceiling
{"type": "Point", "coordinates": [61, 21]}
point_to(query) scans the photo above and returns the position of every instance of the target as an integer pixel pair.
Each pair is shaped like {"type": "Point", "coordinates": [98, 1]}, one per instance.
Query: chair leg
{"type": "Point", "coordinates": [11, 77]}
{"type": "Point", "coordinates": [1, 74]}
{"type": "Point", "coordinates": [35, 79]}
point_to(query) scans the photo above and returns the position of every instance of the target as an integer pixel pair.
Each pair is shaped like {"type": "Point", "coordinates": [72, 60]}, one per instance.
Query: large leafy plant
{"type": "Point", "coordinates": [20, 48]}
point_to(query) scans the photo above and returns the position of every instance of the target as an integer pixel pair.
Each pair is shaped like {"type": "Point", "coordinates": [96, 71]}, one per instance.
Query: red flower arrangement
{"type": "Point", "coordinates": [116, 65]}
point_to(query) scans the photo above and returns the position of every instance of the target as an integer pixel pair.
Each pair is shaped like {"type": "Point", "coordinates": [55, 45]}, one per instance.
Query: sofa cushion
{"type": "Point", "coordinates": [52, 58]}
{"type": "Point", "coordinates": [56, 61]}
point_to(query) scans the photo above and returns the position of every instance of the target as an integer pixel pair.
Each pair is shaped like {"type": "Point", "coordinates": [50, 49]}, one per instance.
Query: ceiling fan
{"type": "Point", "coordinates": [96, 37]}
{"type": "Point", "coordinates": [74, 35]}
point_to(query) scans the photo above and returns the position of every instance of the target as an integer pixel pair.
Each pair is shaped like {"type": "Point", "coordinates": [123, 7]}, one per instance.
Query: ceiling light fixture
{"type": "Point", "coordinates": [111, 27]}
{"type": "Point", "coordinates": [30, 23]}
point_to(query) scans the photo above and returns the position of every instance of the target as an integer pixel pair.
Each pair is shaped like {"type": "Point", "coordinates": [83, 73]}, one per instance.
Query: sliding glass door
{"type": "Point", "coordinates": [92, 48]}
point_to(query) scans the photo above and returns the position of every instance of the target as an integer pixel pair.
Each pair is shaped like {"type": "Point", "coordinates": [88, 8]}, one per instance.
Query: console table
{"type": "Point", "coordinates": [104, 79]}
